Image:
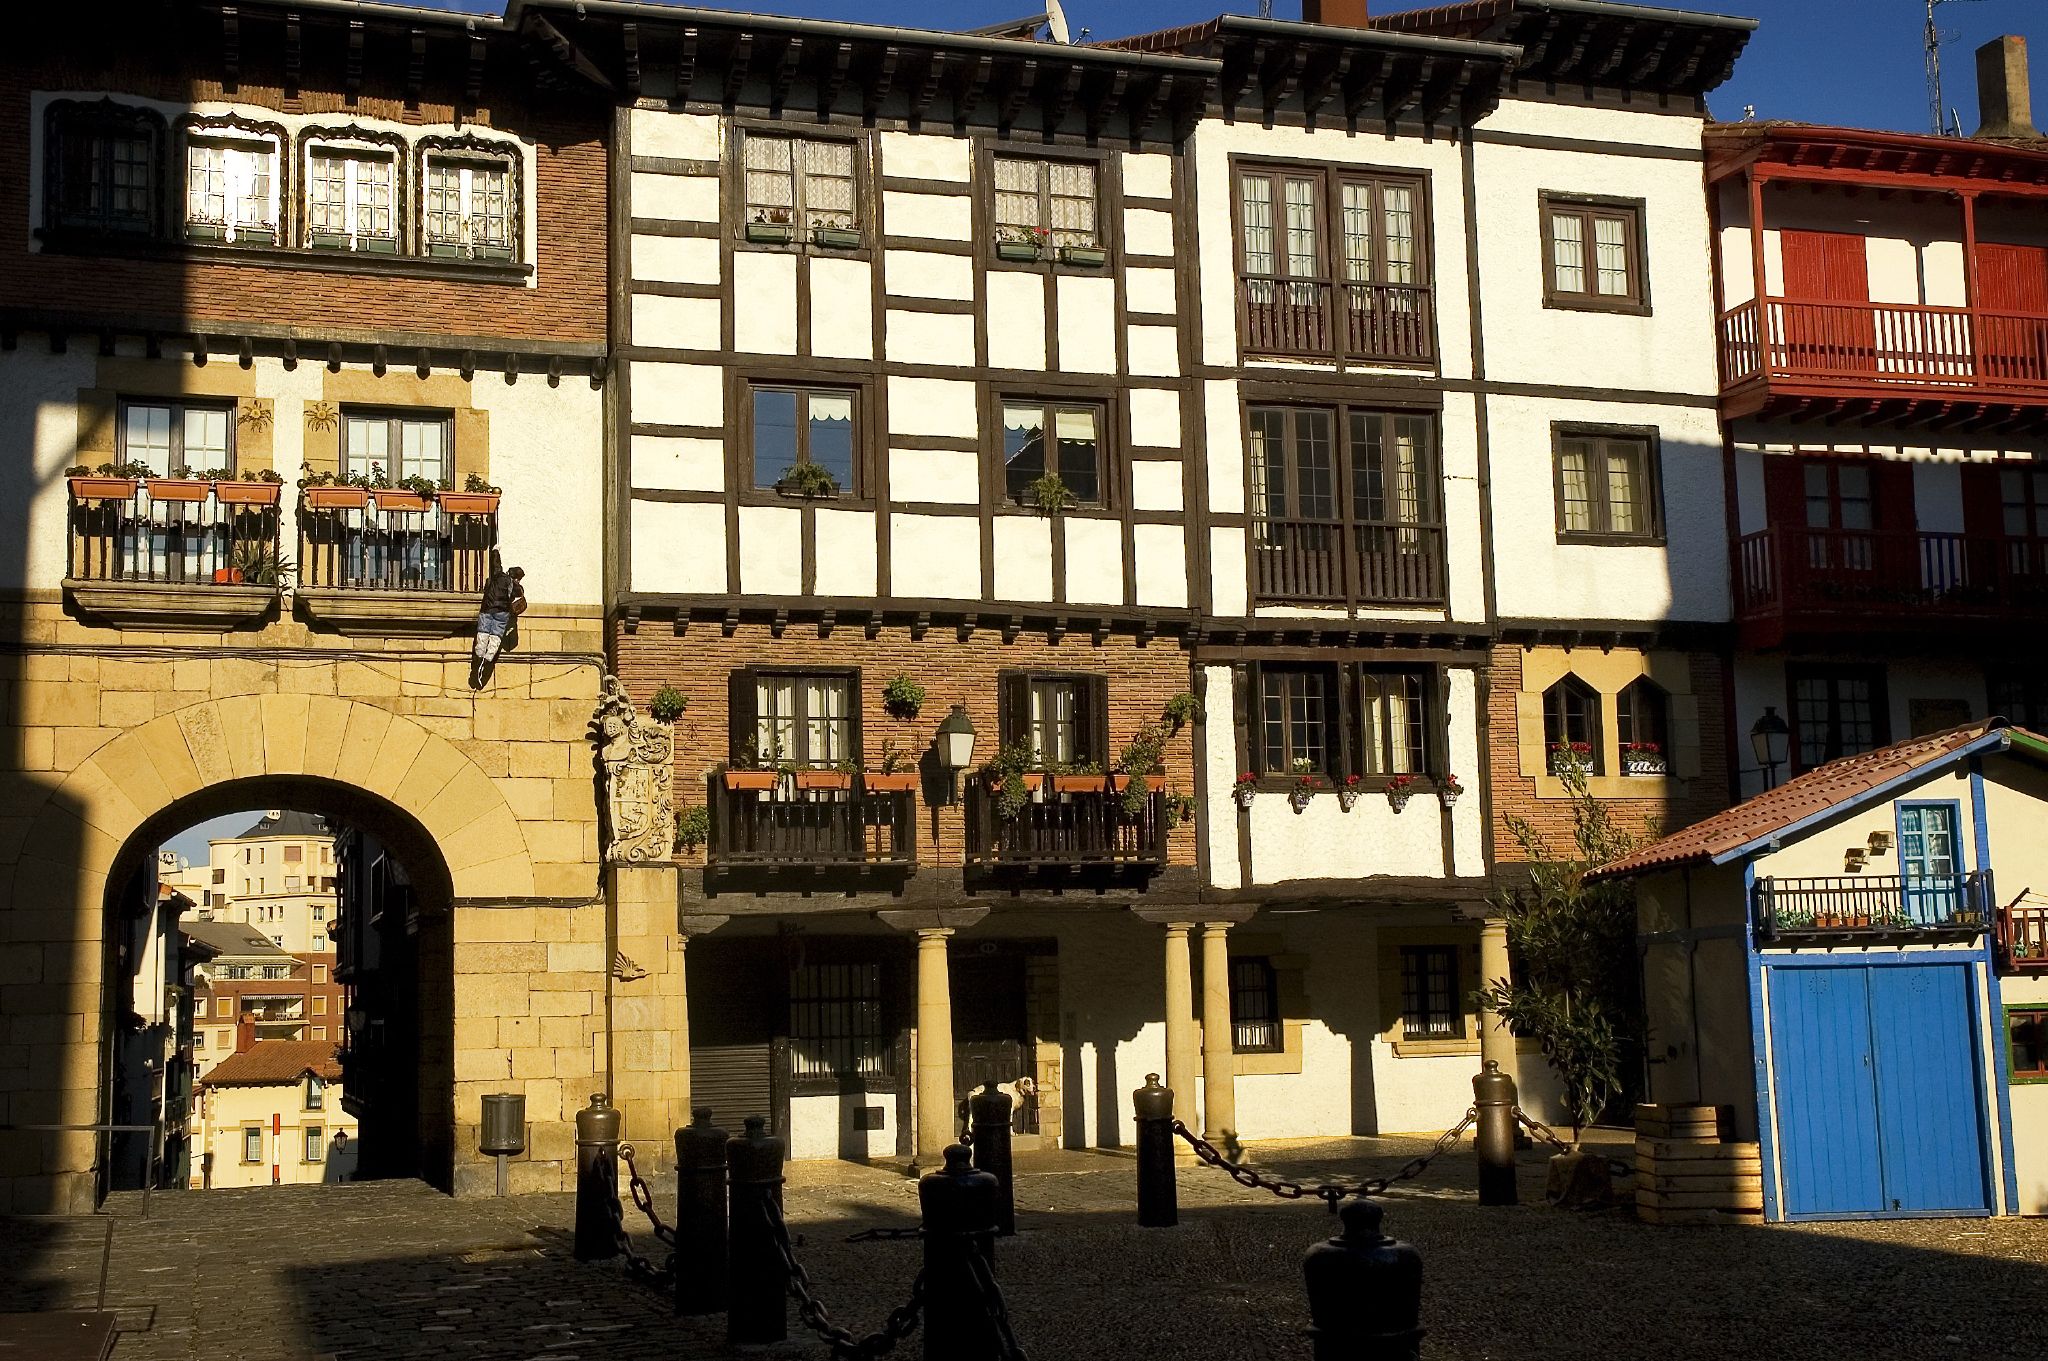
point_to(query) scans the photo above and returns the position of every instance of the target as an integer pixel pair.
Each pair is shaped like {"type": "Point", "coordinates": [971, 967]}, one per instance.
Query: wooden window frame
{"type": "Point", "coordinates": [2034, 705]}
{"type": "Point", "coordinates": [800, 241]}
{"type": "Point", "coordinates": [1629, 721]}
{"type": "Point", "coordinates": [1108, 473]}
{"type": "Point", "coordinates": [1880, 705]}
{"type": "Point", "coordinates": [868, 465]}
{"type": "Point", "coordinates": [211, 129]}
{"type": "Point", "coordinates": [744, 718]}
{"type": "Point", "coordinates": [1415, 987]}
{"type": "Point", "coordinates": [312, 1144]}
{"type": "Point", "coordinates": [472, 150]}
{"type": "Point", "coordinates": [1425, 754]}
{"type": "Point", "coordinates": [1336, 756]}
{"type": "Point", "coordinates": [1266, 987]}
{"type": "Point", "coordinates": [395, 417]}
{"type": "Point", "coordinates": [1091, 710]}
{"type": "Point", "coordinates": [1108, 207]}
{"type": "Point", "coordinates": [1631, 213]}
{"type": "Point", "coordinates": [1596, 735]}
{"type": "Point", "coordinates": [1649, 500]}
{"type": "Point", "coordinates": [2015, 1012]}
{"type": "Point", "coordinates": [68, 118]}
{"type": "Point", "coordinates": [355, 140]}
{"type": "Point", "coordinates": [1330, 182]}
{"type": "Point", "coordinates": [248, 1130]}
{"type": "Point", "coordinates": [178, 406]}
{"type": "Point", "coordinates": [805, 391]}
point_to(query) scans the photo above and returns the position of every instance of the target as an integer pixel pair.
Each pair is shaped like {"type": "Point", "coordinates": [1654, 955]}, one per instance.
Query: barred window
{"type": "Point", "coordinates": [1430, 1009]}
{"type": "Point", "coordinates": [835, 1021]}
{"type": "Point", "coordinates": [1052, 201]}
{"type": "Point", "coordinates": [1255, 1025]}
{"type": "Point", "coordinates": [796, 180]}
{"type": "Point", "coordinates": [469, 206]}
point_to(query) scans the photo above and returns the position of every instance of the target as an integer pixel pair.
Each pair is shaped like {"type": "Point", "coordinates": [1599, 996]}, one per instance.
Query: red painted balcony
{"type": "Point", "coordinates": [2022, 938]}
{"type": "Point", "coordinates": [1793, 582]}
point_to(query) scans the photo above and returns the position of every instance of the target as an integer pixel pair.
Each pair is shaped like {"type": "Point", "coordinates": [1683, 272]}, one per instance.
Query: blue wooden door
{"type": "Point", "coordinates": [1826, 1082]}
{"type": "Point", "coordinates": [1930, 1094]}
{"type": "Point", "coordinates": [1879, 1090]}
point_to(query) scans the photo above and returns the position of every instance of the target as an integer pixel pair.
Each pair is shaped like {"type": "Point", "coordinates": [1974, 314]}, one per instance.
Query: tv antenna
{"type": "Point", "coordinates": [1935, 38]}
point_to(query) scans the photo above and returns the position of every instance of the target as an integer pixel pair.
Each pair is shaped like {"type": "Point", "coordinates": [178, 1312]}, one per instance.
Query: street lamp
{"type": "Point", "coordinates": [953, 745]}
{"type": "Point", "coordinates": [1770, 741]}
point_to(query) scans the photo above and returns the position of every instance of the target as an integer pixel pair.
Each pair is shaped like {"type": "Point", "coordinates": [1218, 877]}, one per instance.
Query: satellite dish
{"type": "Point", "coordinates": [1056, 19]}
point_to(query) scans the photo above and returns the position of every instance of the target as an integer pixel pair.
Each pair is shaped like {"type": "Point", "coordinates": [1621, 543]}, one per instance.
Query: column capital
{"type": "Point", "coordinates": [1178, 928]}
{"type": "Point", "coordinates": [932, 918]}
{"type": "Point", "coordinates": [1216, 928]}
{"type": "Point", "coordinates": [933, 934]}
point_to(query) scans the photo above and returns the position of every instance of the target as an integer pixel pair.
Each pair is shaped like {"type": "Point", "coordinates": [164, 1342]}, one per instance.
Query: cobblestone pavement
{"type": "Point", "coordinates": [396, 1271]}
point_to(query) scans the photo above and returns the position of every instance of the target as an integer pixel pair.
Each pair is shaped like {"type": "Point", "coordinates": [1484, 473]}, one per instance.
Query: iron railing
{"type": "Point", "coordinates": [1787, 568]}
{"type": "Point", "coordinates": [1384, 323]}
{"type": "Point", "coordinates": [2022, 937]}
{"type": "Point", "coordinates": [786, 827]}
{"type": "Point", "coordinates": [1884, 344]}
{"type": "Point", "coordinates": [1075, 830]}
{"type": "Point", "coordinates": [141, 538]}
{"type": "Point", "coordinates": [372, 548]}
{"type": "Point", "coordinates": [1364, 563]}
{"type": "Point", "coordinates": [1872, 904]}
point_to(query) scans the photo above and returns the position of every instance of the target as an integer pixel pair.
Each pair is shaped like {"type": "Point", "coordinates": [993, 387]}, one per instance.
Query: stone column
{"type": "Point", "coordinates": [1219, 1057]}
{"type": "Point", "coordinates": [1182, 1038]}
{"type": "Point", "coordinates": [936, 1127]}
{"type": "Point", "coordinates": [1496, 1041]}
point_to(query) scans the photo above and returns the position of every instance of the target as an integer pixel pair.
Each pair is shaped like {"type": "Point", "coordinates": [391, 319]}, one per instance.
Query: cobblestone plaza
{"type": "Point", "coordinates": [402, 1272]}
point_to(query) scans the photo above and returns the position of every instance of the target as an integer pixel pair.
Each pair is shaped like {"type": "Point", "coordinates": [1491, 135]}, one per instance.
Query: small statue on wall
{"type": "Point", "coordinates": [637, 755]}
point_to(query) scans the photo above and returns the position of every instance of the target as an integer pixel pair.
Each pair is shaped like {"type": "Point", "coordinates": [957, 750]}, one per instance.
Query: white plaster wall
{"type": "Point", "coordinates": [675, 259]}
{"type": "Point", "coordinates": [941, 217]}
{"type": "Point", "coordinates": [1228, 589]}
{"type": "Point", "coordinates": [766, 323]}
{"type": "Point", "coordinates": [771, 550]}
{"type": "Point", "coordinates": [1226, 453]}
{"type": "Point", "coordinates": [1544, 118]}
{"type": "Point", "coordinates": [39, 425]}
{"type": "Point", "coordinates": [1214, 777]}
{"type": "Point", "coordinates": [1468, 815]}
{"type": "Point", "coordinates": [917, 156]}
{"type": "Point", "coordinates": [1154, 351]}
{"type": "Point", "coordinates": [1150, 290]}
{"type": "Point", "coordinates": [846, 554]}
{"type": "Point", "coordinates": [952, 476]}
{"type": "Point", "coordinates": [1087, 322]}
{"type": "Point", "coordinates": [930, 338]}
{"type": "Point", "coordinates": [935, 557]}
{"type": "Point", "coordinates": [1458, 457]}
{"type": "Point", "coordinates": [677, 136]}
{"type": "Point", "coordinates": [842, 309]}
{"type": "Point", "coordinates": [680, 198]}
{"type": "Point", "coordinates": [667, 464]}
{"type": "Point", "coordinates": [1023, 557]}
{"type": "Point", "coordinates": [679, 548]}
{"type": "Point", "coordinates": [547, 454]}
{"type": "Point", "coordinates": [926, 274]}
{"type": "Point", "coordinates": [932, 406]}
{"type": "Point", "coordinates": [1156, 485]}
{"type": "Point", "coordinates": [1148, 231]}
{"type": "Point", "coordinates": [1148, 175]}
{"type": "Point", "coordinates": [822, 1126]}
{"type": "Point", "coordinates": [1095, 560]}
{"type": "Point", "coordinates": [1016, 320]}
{"type": "Point", "coordinates": [1155, 417]}
{"type": "Point", "coordinates": [1161, 562]}
{"type": "Point", "coordinates": [678, 394]}
{"type": "Point", "coordinates": [675, 323]}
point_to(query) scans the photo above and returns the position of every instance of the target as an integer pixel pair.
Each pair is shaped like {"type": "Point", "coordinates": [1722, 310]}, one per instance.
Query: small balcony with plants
{"type": "Point", "coordinates": [1848, 907]}
{"type": "Point", "coordinates": [194, 550]}
{"type": "Point", "coordinates": [767, 814]}
{"type": "Point", "coordinates": [1046, 816]}
{"type": "Point", "coordinates": [384, 557]}
{"type": "Point", "coordinates": [2022, 935]}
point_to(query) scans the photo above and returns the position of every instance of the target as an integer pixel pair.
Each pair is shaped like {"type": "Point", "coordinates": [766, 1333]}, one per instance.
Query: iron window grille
{"type": "Point", "coordinates": [802, 182]}
{"type": "Point", "coordinates": [1430, 1008]}
{"type": "Point", "coordinates": [1255, 1023]}
{"type": "Point", "coordinates": [835, 1022]}
{"type": "Point", "coordinates": [1608, 489]}
{"type": "Point", "coordinates": [1073, 451]}
{"type": "Point", "coordinates": [1593, 253]}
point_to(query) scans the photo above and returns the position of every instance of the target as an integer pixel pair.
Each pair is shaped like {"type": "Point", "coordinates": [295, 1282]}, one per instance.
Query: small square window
{"type": "Point", "coordinates": [797, 429]}
{"type": "Point", "coordinates": [1050, 205]}
{"type": "Point", "coordinates": [469, 207]}
{"type": "Point", "coordinates": [1430, 1006]}
{"type": "Point", "coordinates": [103, 168]}
{"type": "Point", "coordinates": [1255, 1024]}
{"type": "Point", "coordinates": [172, 438]}
{"type": "Point", "coordinates": [1593, 255]}
{"type": "Point", "coordinates": [252, 1143]}
{"type": "Point", "coordinates": [2028, 1030]}
{"type": "Point", "coordinates": [398, 444]}
{"type": "Point", "coordinates": [1056, 439]}
{"type": "Point", "coordinates": [351, 199]}
{"type": "Point", "coordinates": [1607, 488]}
{"type": "Point", "coordinates": [799, 189]}
{"type": "Point", "coordinates": [811, 719]}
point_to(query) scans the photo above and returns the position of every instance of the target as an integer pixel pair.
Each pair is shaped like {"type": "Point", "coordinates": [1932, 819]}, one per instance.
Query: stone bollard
{"type": "Point", "coordinates": [1158, 1197]}
{"type": "Point", "coordinates": [597, 1180]}
{"type": "Point", "coordinates": [959, 1205]}
{"type": "Point", "coordinates": [1493, 1093]}
{"type": "Point", "coordinates": [1364, 1291]}
{"type": "Point", "coordinates": [757, 1285]}
{"type": "Point", "coordinates": [990, 1114]}
{"type": "Point", "coordinates": [700, 1216]}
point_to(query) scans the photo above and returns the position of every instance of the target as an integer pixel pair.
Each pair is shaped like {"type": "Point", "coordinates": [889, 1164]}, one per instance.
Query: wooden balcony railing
{"type": "Point", "coordinates": [1066, 830]}
{"type": "Point", "coordinates": [1872, 904]}
{"type": "Point", "coordinates": [1318, 562]}
{"type": "Point", "coordinates": [372, 548]}
{"type": "Point", "coordinates": [1885, 345]}
{"type": "Point", "coordinates": [2022, 936]}
{"type": "Point", "coordinates": [786, 828]}
{"type": "Point", "coordinates": [1788, 570]}
{"type": "Point", "coordinates": [1377, 323]}
{"type": "Point", "coordinates": [184, 543]}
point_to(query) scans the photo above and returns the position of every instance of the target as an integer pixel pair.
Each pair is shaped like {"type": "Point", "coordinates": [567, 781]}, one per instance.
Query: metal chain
{"type": "Point", "coordinates": [643, 1196]}
{"type": "Point", "coordinates": [1329, 1192]}
{"type": "Point", "coordinates": [1539, 1130]}
{"type": "Point", "coordinates": [902, 1321]}
{"type": "Point", "coordinates": [992, 1304]}
{"type": "Point", "coordinates": [661, 1277]}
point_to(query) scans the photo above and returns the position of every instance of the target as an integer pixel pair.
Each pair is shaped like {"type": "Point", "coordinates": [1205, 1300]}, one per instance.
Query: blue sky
{"type": "Point", "coordinates": [1851, 62]}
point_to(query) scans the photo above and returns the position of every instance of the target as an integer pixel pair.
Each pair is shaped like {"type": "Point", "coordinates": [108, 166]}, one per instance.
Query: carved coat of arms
{"type": "Point", "coordinates": [637, 755]}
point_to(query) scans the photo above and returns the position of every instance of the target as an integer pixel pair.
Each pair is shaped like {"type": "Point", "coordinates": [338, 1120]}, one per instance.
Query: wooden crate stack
{"type": "Point", "coordinates": [1689, 1172]}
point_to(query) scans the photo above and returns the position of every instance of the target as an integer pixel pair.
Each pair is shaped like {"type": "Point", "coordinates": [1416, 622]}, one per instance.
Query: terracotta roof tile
{"type": "Point", "coordinates": [269, 1062]}
{"type": "Point", "coordinates": [1800, 797]}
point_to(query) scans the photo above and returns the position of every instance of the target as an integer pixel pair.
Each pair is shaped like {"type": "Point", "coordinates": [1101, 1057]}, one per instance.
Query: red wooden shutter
{"type": "Point", "coordinates": [1983, 522]}
{"type": "Point", "coordinates": [1828, 266]}
{"type": "Point", "coordinates": [1784, 491]}
{"type": "Point", "coordinates": [2012, 278]}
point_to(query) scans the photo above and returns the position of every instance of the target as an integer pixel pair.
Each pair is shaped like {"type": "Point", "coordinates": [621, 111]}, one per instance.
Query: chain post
{"type": "Point", "coordinates": [598, 1214]}
{"type": "Point", "coordinates": [990, 1109]}
{"type": "Point", "coordinates": [756, 1310]}
{"type": "Point", "coordinates": [700, 1216]}
{"type": "Point", "coordinates": [1493, 1096]}
{"type": "Point", "coordinates": [1158, 1196]}
{"type": "Point", "coordinates": [959, 1205]}
{"type": "Point", "coordinates": [1329, 1192]}
{"type": "Point", "coordinates": [1364, 1291]}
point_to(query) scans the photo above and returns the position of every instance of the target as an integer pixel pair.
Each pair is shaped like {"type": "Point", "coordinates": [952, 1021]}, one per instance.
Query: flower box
{"type": "Point", "coordinates": [336, 498]}
{"type": "Point", "coordinates": [1084, 257]}
{"type": "Point", "coordinates": [186, 489]}
{"type": "Point", "coordinates": [227, 576]}
{"type": "Point", "coordinates": [1019, 251]}
{"type": "Point", "coordinates": [758, 781]}
{"type": "Point", "coordinates": [468, 502]}
{"type": "Point", "coordinates": [770, 233]}
{"type": "Point", "coordinates": [891, 782]}
{"type": "Point", "coordinates": [1641, 763]}
{"type": "Point", "coordinates": [1828, 921]}
{"type": "Point", "coordinates": [248, 493]}
{"type": "Point", "coordinates": [98, 488]}
{"type": "Point", "coordinates": [837, 238]}
{"type": "Point", "coordinates": [1564, 759]}
{"type": "Point", "coordinates": [1082, 784]}
{"type": "Point", "coordinates": [390, 499]}
{"type": "Point", "coordinates": [836, 780]}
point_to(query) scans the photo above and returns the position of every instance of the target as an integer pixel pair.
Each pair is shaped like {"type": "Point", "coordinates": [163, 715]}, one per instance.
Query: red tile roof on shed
{"type": "Point", "coordinates": [275, 1062]}
{"type": "Point", "coordinates": [1798, 798]}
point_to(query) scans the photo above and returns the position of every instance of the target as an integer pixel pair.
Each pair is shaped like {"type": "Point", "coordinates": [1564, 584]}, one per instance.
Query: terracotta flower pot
{"type": "Point", "coordinates": [186, 489]}
{"type": "Point", "coordinates": [759, 781]}
{"type": "Point", "coordinates": [336, 498]}
{"type": "Point", "coordinates": [469, 502]}
{"type": "Point", "coordinates": [227, 576]}
{"type": "Point", "coordinates": [824, 779]}
{"type": "Point", "coordinates": [892, 782]}
{"type": "Point", "coordinates": [97, 488]}
{"type": "Point", "coordinates": [248, 493]}
{"type": "Point", "coordinates": [1079, 784]}
{"type": "Point", "coordinates": [1118, 783]}
{"type": "Point", "coordinates": [392, 499]}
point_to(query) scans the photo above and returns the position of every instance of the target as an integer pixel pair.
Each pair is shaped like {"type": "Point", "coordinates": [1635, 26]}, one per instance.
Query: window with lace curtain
{"type": "Point", "coordinates": [469, 206]}
{"type": "Point", "coordinates": [231, 186]}
{"type": "Point", "coordinates": [1594, 255]}
{"type": "Point", "coordinates": [351, 199]}
{"type": "Point", "coordinates": [1052, 203]}
{"type": "Point", "coordinates": [1607, 488]}
{"type": "Point", "coordinates": [807, 719]}
{"type": "Point", "coordinates": [801, 182]}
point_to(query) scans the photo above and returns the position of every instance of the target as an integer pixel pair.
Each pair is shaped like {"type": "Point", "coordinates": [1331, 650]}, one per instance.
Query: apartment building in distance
{"type": "Point", "coordinates": [277, 876]}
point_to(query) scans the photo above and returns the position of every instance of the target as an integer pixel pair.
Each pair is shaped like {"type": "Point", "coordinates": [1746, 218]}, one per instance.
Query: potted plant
{"type": "Point", "coordinates": [1448, 789]}
{"type": "Point", "coordinates": [1004, 776]}
{"type": "Point", "coordinates": [1181, 710]}
{"type": "Point", "coordinates": [1642, 758]}
{"type": "Point", "coordinates": [898, 774]}
{"type": "Point", "coordinates": [1244, 788]}
{"type": "Point", "coordinates": [1348, 790]}
{"type": "Point", "coordinates": [1086, 778]}
{"type": "Point", "coordinates": [1136, 793]}
{"type": "Point", "coordinates": [753, 773]}
{"type": "Point", "coordinates": [413, 493]}
{"type": "Point", "coordinates": [255, 487]}
{"type": "Point", "coordinates": [1084, 257]}
{"type": "Point", "coordinates": [1139, 758]}
{"type": "Point", "coordinates": [1050, 494]}
{"type": "Point", "coordinates": [668, 704]}
{"type": "Point", "coordinates": [836, 233]}
{"type": "Point", "coordinates": [1021, 244]}
{"type": "Point", "coordinates": [838, 779]}
{"type": "Point", "coordinates": [1577, 756]}
{"type": "Point", "coordinates": [324, 491]}
{"type": "Point", "coordinates": [1400, 789]}
{"type": "Point", "coordinates": [183, 485]}
{"type": "Point", "coordinates": [693, 829]}
{"type": "Point", "coordinates": [109, 483]}
{"type": "Point", "coordinates": [254, 564]}
{"type": "Point", "coordinates": [812, 481]}
{"type": "Point", "coordinates": [477, 497]}
{"type": "Point", "coordinates": [771, 227]}
{"type": "Point", "coordinates": [1304, 790]}
{"type": "Point", "coordinates": [1180, 808]}
{"type": "Point", "coordinates": [902, 696]}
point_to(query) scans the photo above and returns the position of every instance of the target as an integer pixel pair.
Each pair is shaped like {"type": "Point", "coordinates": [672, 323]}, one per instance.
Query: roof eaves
{"type": "Point", "coordinates": [1656, 13]}
{"type": "Point", "coordinates": [1369, 37]}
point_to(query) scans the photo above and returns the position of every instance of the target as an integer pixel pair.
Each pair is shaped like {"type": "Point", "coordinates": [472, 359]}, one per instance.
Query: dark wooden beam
{"type": "Point", "coordinates": [1536, 44]}
{"type": "Point", "coordinates": [353, 76]}
{"type": "Point", "coordinates": [473, 72]}
{"type": "Point", "coordinates": [1019, 79]}
{"type": "Point", "coordinates": [295, 54]}
{"type": "Point", "coordinates": [1061, 100]}
{"type": "Point", "coordinates": [1147, 106]}
{"type": "Point", "coordinates": [738, 61]}
{"type": "Point", "coordinates": [415, 66]}
{"type": "Point", "coordinates": [1617, 38]}
{"type": "Point", "coordinates": [926, 90]}
{"type": "Point", "coordinates": [833, 71]}
{"type": "Point", "coordinates": [1442, 89]}
{"type": "Point", "coordinates": [1648, 57]}
{"type": "Point", "coordinates": [1364, 82]}
{"type": "Point", "coordinates": [1280, 74]}
{"type": "Point", "coordinates": [1104, 97]}
{"type": "Point", "coordinates": [973, 87]}
{"type": "Point", "coordinates": [783, 71]}
{"type": "Point", "coordinates": [1238, 68]}
{"type": "Point", "coordinates": [1404, 91]}
{"type": "Point", "coordinates": [629, 49]}
{"type": "Point", "coordinates": [230, 48]}
{"type": "Point", "coordinates": [878, 80]}
{"type": "Point", "coordinates": [686, 63]}
{"type": "Point", "coordinates": [1319, 79]}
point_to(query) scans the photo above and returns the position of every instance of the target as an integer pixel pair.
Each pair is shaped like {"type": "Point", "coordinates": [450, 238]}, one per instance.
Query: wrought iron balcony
{"type": "Point", "coordinates": [787, 828]}
{"type": "Point", "coordinates": [1793, 580]}
{"type": "Point", "coordinates": [1066, 829]}
{"type": "Point", "coordinates": [1374, 323]}
{"type": "Point", "coordinates": [395, 544]}
{"type": "Point", "coordinates": [1329, 562]}
{"type": "Point", "coordinates": [173, 553]}
{"type": "Point", "coordinates": [1871, 905]}
{"type": "Point", "coordinates": [2022, 936]}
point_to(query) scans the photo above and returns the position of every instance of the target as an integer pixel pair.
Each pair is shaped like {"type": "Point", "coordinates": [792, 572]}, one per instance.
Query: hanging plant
{"type": "Point", "coordinates": [1245, 788]}
{"type": "Point", "coordinates": [1180, 808]}
{"type": "Point", "coordinates": [668, 704]}
{"type": "Point", "coordinates": [1348, 790]}
{"type": "Point", "coordinates": [1400, 789]}
{"type": "Point", "coordinates": [1303, 793]}
{"type": "Point", "coordinates": [902, 696]}
{"type": "Point", "coordinates": [1448, 789]}
{"type": "Point", "coordinates": [1004, 778]}
{"type": "Point", "coordinates": [1181, 710]}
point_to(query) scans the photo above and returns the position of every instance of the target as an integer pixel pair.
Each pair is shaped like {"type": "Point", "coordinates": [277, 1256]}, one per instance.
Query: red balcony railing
{"type": "Point", "coordinates": [2023, 936]}
{"type": "Point", "coordinates": [1376, 323]}
{"type": "Point", "coordinates": [1783, 570]}
{"type": "Point", "coordinates": [1952, 350]}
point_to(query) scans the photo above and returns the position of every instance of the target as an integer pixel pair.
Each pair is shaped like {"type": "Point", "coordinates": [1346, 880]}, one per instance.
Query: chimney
{"type": "Point", "coordinates": [245, 1032]}
{"type": "Point", "coordinates": [2004, 106]}
{"type": "Point", "coordinates": [1340, 13]}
